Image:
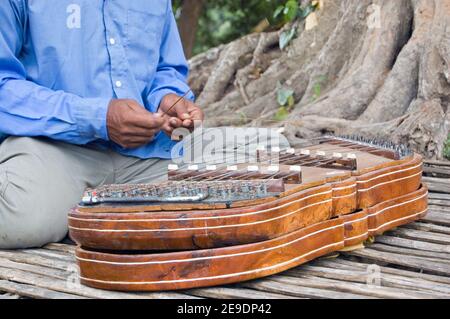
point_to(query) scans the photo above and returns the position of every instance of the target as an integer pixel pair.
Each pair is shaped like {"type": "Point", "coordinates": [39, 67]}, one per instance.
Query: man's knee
{"type": "Point", "coordinates": [26, 220]}
{"type": "Point", "coordinates": [32, 211]}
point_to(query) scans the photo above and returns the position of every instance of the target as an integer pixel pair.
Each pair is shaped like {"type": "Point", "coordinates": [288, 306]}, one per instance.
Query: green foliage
{"type": "Point", "coordinates": [286, 101]}
{"type": "Point", "coordinates": [285, 96]}
{"type": "Point", "coordinates": [292, 10]}
{"type": "Point", "coordinates": [281, 114]}
{"type": "Point", "coordinates": [304, 12]}
{"type": "Point", "coordinates": [289, 12]}
{"type": "Point", "coordinates": [286, 37]}
{"type": "Point", "coordinates": [317, 90]}
{"type": "Point", "coordinates": [447, 148]}
{"type": "Point", "coordinates": [223, 21]}
{"type": "Point", "coordinates": [317, 87]}
{"type": "Point", "coordinates": [242, 117]}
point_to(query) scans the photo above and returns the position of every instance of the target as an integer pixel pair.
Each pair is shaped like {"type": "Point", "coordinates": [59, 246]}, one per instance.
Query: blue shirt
{"type": "Point", "coordinates": [62, 61]}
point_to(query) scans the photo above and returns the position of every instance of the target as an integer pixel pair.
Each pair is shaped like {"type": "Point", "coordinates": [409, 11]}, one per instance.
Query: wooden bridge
{"type": "Point", "coordinates": [412, 261]}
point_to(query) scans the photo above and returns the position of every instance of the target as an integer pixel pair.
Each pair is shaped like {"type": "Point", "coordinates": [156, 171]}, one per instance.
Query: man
{"type": "Point", "coordinates": [85, 86]}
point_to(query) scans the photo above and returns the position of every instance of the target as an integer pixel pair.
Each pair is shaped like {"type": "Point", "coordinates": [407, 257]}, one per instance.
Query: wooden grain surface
{"type": "Point", "coordinates": [411, 261]}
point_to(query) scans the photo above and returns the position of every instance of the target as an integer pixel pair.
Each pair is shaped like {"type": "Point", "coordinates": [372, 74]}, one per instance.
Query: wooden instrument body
{"type": "Point", "coordinates": [199, 268]}
{"type": "Point", "coordinates": [205, 244]}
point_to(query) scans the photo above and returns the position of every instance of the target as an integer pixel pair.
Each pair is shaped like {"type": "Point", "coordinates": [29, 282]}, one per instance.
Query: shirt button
{"type": "Point", "coordinates": [112, 41]}
{"type": "Point", "coordinates": [118, 84]}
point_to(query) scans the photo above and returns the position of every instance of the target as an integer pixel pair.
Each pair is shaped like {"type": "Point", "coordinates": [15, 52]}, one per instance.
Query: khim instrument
{"type": "Point", "coordinates": [217, 224]}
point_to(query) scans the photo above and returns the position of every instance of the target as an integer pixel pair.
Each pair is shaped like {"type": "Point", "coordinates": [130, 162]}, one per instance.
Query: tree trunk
{"type": "Point", "coordinates": [370, 67]}
{"type": "Point", "coordinates": [191, 11]}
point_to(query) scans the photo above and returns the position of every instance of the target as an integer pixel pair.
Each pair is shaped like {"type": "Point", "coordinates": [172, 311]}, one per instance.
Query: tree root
{"type": "Point", "coordinates": [225, 69]}
{"type": "Point", "coordinates": [401, 86]}
{"type": "Point", "coordinates": [350, 97]}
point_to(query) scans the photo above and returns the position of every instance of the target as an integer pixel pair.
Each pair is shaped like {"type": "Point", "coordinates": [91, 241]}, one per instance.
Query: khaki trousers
{"type": "Point", "coordinates": [42, 179]}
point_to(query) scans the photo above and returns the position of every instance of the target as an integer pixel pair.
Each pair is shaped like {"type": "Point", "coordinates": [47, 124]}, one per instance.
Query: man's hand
{"type": "Point", "coordinates": [130, 125]}
{"type": "Point", "coordinates": [183, 114]}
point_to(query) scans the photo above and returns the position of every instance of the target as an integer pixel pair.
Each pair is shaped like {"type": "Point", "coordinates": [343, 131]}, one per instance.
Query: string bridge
{"type": "Point", "coordinates": [289, 174]}
{"type": "Point", "coordinates": [183, 192]}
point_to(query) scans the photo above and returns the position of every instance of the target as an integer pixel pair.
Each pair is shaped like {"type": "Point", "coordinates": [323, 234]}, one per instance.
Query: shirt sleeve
{"type": "Point", "coordinates": [28, 109]}
{"type": "Point", "coordinates": [172, 71]}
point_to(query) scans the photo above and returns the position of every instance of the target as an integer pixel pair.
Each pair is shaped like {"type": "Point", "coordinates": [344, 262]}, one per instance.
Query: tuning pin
{"type": "Point", "coordinates": [232, 168]}
{"type": "Point", "coordinates": [351, 156]}
{"type": "Point", "coordinates": [211, 167]}
{"type": "Point", "coordinates": [252, 168]}
{"type": "Point", "coordinates": [192, 168]}
{"type": "Point", "coordinates": [337, 155]}
{"type": "Point", "coordinates": [172, 167]}
{"type": "Point", "coordinates": [295, 168]}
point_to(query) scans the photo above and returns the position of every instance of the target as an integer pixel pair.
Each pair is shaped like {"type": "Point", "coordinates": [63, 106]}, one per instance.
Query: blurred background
{"type": "Point", "coordinates": [375, 68]}
{"type": "Point", "coordinates": [205, 24]}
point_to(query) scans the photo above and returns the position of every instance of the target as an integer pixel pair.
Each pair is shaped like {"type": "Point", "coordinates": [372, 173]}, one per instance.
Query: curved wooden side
{"type": "Point", "coordinates": [182, 270]}
{"type": "Point", "coordinates": [209, 267]}
{"type": "Point", "coordinates": [388, 183]}
{"type": "Point", "coordinates": [398, 211]}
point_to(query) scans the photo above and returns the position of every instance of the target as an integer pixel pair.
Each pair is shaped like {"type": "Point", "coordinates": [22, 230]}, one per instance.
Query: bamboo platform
{"type": "Point", "coordinates": [412, 261]}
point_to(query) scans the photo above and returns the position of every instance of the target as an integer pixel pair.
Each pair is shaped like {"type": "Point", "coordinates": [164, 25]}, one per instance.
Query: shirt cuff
{"type": "Point", "coordinates": [154, 99]}
{"type": "Point", "coordinates": [90, 116]}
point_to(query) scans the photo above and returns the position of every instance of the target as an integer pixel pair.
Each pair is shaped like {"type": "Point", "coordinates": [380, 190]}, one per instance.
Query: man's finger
{"type": "Point", "coordinates": [187, 123]}
{"type": "Point", "coordinates": [167, 128]}
{"type": "Point", "coordinates": [175, 122]}
{"type": "Point", "coordinates": [137, 115]}
{"type": "Point", "coordinates": [146, 119]}
{"type": "Point", "coordinates": [182, 110]}
{"type": "Point", "coordinates": [197, 114]}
